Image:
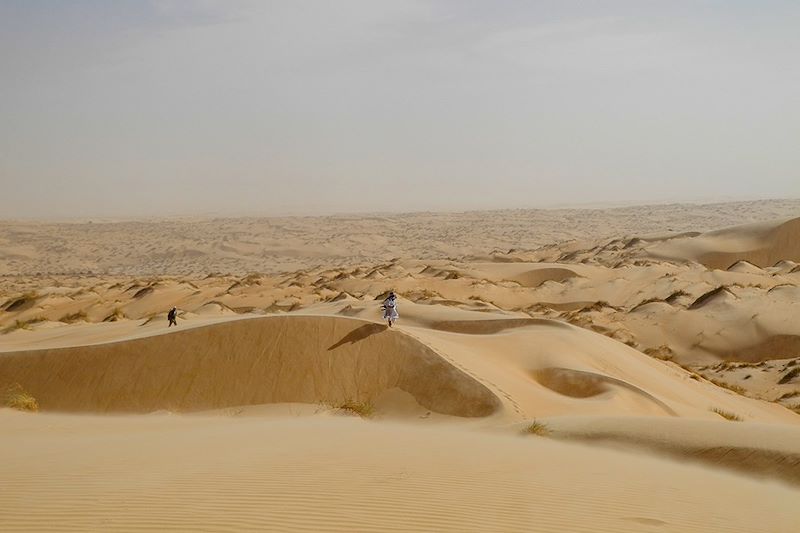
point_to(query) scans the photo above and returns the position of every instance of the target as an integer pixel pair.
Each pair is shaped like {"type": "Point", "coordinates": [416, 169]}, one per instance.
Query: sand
{"type": "Point", "coordinates": [630, 369]}
{"type": "Point", "coordinates": [344, 474]}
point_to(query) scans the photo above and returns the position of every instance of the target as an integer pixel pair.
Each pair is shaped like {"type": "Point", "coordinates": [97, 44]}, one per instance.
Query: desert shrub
{"type": "Point", "coordinates": [73, 317]}
{"type": "Point", "coordinates": [23, 324]}
{"type": "Point", "coordinates": [733, 388]}
{"type": "Point", "coordinates": [15, 397]}
{"type": "Point", "coordinates": [537, 428]}
{"type": "Point", "coordinates": [727, 415]}
{"type": "Point", "coordinates": [363, 409]}
{"type": "Point", "coordinates": [663, 352]}
{"type": "Point", "coordinates": [115, 315]}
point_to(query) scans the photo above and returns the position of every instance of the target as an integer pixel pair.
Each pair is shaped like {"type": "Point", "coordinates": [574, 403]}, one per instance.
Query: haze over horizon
{"type": "Point", "coordinates": [178, 108]}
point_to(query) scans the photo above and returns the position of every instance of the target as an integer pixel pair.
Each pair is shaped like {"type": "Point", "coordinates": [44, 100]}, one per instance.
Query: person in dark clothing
{"type": "Point", "coordinates": [172, 316]}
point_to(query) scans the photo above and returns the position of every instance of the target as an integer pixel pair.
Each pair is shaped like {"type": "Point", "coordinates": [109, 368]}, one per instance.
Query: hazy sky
{"type": "Point", "coordinates": [171, 107]}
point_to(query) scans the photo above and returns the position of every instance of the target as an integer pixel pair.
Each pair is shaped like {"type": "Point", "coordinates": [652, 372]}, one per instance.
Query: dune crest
{"type": "Point", "coordinates": [245, 362]}
{"type": "Point", "coordinates": [522, 351]}
{"type": "Point", "coordinates": [761, 245]}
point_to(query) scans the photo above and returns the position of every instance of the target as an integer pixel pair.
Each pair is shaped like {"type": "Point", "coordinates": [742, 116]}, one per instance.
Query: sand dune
{"type": "Point", "coordinates": [762, 245]}
{"type": "Point", "coordinates": [244, 362]}
{"type": "Point", "coordinates": [199, 246]}
{"type": "Point", "coordinates": [660, 358]}
{"type": "Point", "coordinates": [466, 368]}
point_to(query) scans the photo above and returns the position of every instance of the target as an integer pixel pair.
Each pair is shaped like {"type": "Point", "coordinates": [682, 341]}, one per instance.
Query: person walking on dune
{"type": "Point", "coordinates": [172, 317]}
{"type": "Point", "coordinates": [390, 309]}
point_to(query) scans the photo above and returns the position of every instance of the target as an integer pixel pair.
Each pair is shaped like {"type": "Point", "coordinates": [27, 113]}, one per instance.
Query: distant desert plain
{"type": "Point", "coordinates": [620, 369]}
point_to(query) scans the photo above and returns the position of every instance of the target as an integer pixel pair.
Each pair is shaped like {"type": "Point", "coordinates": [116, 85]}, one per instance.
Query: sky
{"type": "Point", "coordinates": [168, 107]}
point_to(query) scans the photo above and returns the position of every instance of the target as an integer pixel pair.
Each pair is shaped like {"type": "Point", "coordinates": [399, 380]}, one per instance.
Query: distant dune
{"type": "Point", "coordinates": [199, 246]}
{"type": "Point", "coordinates": [762, 245]}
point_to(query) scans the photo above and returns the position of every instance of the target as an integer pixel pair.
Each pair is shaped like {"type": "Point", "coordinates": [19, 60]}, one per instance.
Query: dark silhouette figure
{"type": "Point", "coordinates": [172, 317]}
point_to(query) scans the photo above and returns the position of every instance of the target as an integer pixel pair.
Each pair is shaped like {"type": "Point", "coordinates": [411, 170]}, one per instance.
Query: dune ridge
{"type": "Point", "coordinates": [609, 380]}
{"type": "Point", "coordinates": [245, 362]}
{"type": "Point", "coordinates": [761, 245]}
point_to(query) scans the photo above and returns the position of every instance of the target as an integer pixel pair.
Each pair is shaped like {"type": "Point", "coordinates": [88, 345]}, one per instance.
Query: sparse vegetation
{"type": "Point", "coordinates": [731, 387]}
{"type": "Point", "coordinates": [73, 317]}
{"type": "Point", "coordinates": [663, 352]}
{"type": "Point", "coordinates": [15, 397]}
{"type": "Point", "coordinates": [23, 324]}
{"type": "Point", "coordinates": [727, 415]}
{"type": "Point", "coordinates": [537, 428]}
{"type": "Point", "coordinates": [115, 315]}
{"type": "Point", "coordinates": [597, 306]}
{"type": "Point", "coordinates": [363, 409]}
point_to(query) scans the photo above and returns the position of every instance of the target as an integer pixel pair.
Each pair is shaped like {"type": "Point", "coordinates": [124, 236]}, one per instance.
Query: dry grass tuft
{"type": "Point", "coordinates": [115, 315]}
{"type": "Point", "coordinates": [663, 352]}
{"type": "Point", "coordinates": [23, 324]}
{"type": "Point", "coordinates": [537, 428]}
{"type": "Point", "coordinates": [363, 409]}
{"type": "Point", "coordinates": [727, 415]}
{"type": "Point", "coordinates": [733, 388]}
{"type": "Point", "coordinates": [74, 317]}
{"type": "Point", "coordinates": [597, 306]}
{"type": "Point", "coordinates": [15, 397]}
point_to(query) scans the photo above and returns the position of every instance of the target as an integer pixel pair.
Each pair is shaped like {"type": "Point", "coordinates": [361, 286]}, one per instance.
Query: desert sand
{"type": "Point", "coordinates": [628, 369]}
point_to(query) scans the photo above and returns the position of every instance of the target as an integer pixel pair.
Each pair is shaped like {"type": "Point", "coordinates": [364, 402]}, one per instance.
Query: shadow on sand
{"type": "Point", "coordinates": [359, 334]}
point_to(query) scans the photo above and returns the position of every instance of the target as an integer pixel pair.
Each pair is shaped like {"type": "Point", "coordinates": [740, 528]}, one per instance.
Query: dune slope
{"type": "Point", "coordinates": [308, 359]}
{"type": "Point", "coordinates": [763, 245]}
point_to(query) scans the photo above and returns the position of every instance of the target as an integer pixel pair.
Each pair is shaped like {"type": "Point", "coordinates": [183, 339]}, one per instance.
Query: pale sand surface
{"type": "Point", "coordinates": [343, 474]}
{"type": "Point", "coordinates": [631, 334]}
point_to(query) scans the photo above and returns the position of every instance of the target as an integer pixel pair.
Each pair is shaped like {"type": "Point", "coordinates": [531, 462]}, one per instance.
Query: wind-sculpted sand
{"type": "Point", "coordinates": [197, 246]}
{"type": "Point", "coordinates": [643, 375]}
{"type": "Point", "coordinates": [279, 359]}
